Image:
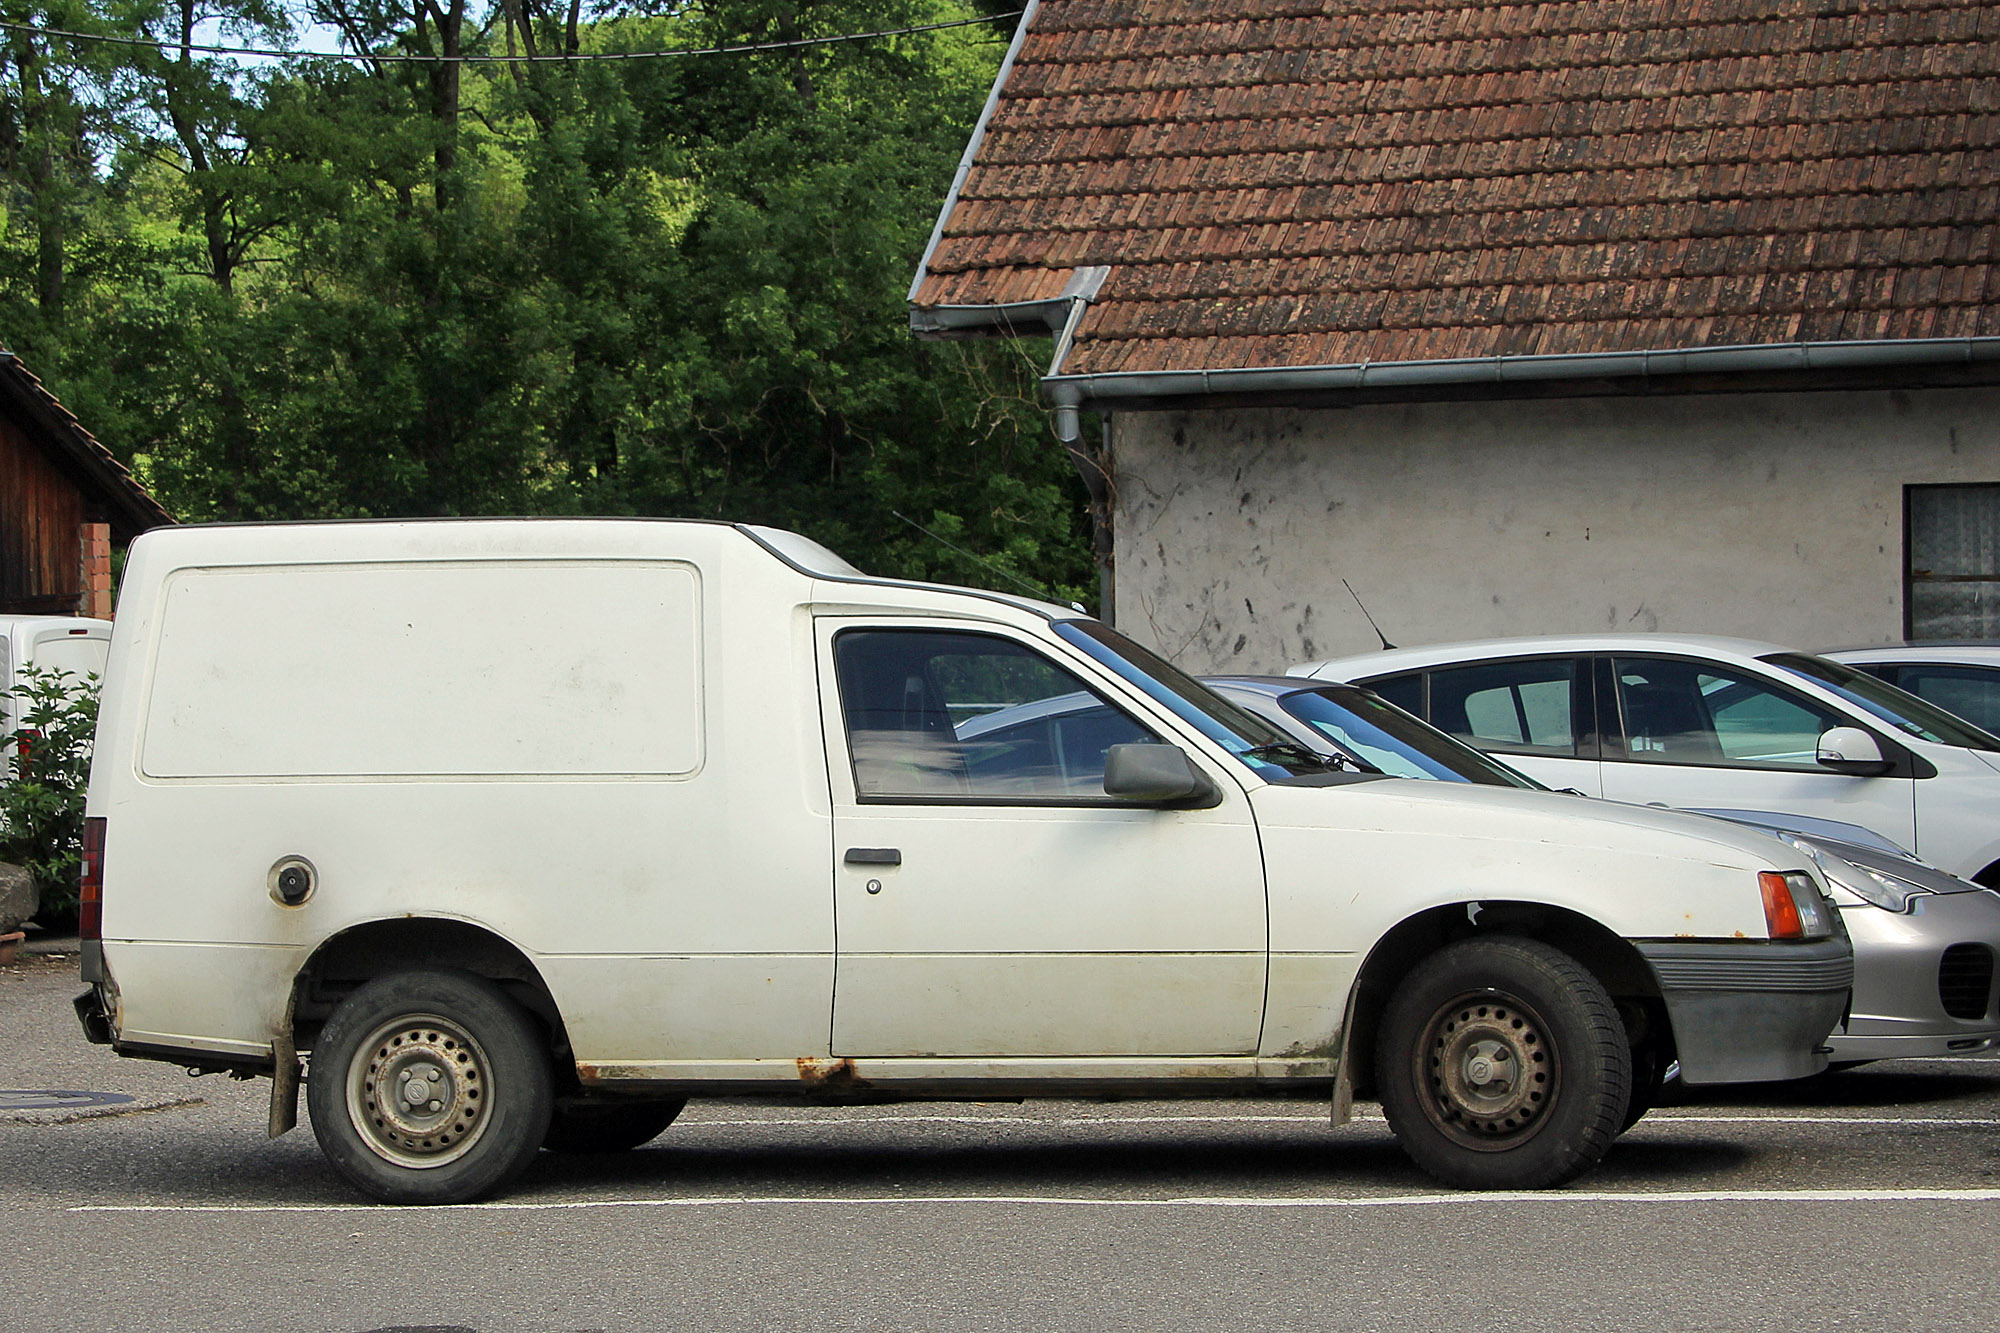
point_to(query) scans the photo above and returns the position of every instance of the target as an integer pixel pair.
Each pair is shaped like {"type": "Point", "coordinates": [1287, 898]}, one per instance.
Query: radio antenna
{"type": "Point", "coordinates": [1386, 645]}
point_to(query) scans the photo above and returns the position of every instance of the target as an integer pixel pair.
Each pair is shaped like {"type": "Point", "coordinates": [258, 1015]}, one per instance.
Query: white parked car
{"type": "Point", "coordinates": [1961, 678]}
{"type": "Point", "coordinates": [527, 831]}
{"type": "Point", "coordinates": [1698, 722]}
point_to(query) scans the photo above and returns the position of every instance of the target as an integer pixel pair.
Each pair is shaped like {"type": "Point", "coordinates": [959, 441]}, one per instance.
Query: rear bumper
{"type": "Point", "coordinates": [1751, 1011]}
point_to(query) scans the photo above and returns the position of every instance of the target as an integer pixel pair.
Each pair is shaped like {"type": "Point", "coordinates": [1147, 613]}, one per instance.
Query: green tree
{"type": "Point", "coordinates": [662, 286]}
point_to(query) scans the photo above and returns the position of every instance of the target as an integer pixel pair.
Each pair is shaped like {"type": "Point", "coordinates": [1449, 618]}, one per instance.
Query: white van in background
{"type": "Point", "coordinates": [525, 831]}
{"type": "Point", "coordinates": [73, 644]}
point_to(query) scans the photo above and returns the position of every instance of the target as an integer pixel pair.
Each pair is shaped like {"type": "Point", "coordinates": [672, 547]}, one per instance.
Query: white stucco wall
{"type": "Point", "coordinates": [1778, 516]}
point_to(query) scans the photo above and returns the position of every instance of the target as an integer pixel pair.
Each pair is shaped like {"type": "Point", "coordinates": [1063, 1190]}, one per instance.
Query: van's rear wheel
{"type": "Point", "coordinates": [1503, 1065]}
{"type": "Point", "coordinates": [429, 1087]}
{"type": "Point", "coordinates": [599, 1127]}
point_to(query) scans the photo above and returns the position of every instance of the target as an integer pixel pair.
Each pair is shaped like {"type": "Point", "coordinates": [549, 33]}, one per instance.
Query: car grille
{"type": "Point", "coordinates": [1965, 980]}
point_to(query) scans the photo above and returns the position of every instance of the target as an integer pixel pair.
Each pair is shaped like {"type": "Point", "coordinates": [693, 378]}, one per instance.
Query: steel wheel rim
{"type": "Point", "coordinates": [1487, 1074]}
{"type": "Point", "coordinates": [418, 1091]}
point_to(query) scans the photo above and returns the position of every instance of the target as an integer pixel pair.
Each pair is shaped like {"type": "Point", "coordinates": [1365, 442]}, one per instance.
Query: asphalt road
{"type": "Point", "coordinates": [1863, 1200]}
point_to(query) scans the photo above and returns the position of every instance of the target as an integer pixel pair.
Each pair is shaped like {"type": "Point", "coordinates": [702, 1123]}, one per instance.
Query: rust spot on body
{"type": "Point", "coordinates": [828, 1075]}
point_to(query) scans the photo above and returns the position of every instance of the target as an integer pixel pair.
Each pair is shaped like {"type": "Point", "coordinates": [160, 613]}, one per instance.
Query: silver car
{"type": "Point", "coordinates": [1924, 941]}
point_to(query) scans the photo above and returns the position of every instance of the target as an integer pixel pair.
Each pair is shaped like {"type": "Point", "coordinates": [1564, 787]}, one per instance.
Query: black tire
{"type": "Point", "coordinates": [602, 1127]}
{"type": "Point", "coordinates": [446, 1033]}
{"type": "Point", "coordinates": [1454, 1033]}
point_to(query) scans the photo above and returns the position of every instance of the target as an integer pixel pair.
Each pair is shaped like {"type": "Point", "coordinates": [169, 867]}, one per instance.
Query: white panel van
{"type": "Point", "coordinates": [505, 835]}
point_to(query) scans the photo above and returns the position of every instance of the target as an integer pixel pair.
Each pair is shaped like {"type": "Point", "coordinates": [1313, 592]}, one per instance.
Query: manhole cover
{"type": "Point", "coordinates": [50, 1099]}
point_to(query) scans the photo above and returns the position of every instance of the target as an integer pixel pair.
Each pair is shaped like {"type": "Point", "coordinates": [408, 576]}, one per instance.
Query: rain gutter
{"type": "Point", "coordinates": [1069, 393]}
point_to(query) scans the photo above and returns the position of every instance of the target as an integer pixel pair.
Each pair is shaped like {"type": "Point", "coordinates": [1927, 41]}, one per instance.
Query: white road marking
{"type": "Point", "coordinates": [1080, 1201]}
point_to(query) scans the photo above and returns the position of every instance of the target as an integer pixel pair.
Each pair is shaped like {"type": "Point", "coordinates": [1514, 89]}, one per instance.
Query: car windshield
{"type": "Point", "coordinates": [1899, 708]}
{"type": "Point", "coordinates": [1260, 745]}
{"type": "Point", "coordinates": [1376, 731]}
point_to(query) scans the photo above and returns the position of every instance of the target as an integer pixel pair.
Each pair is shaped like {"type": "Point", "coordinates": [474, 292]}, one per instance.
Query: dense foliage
{"type": "Point", "coordinates": [660, 286]}
{"type": "Point", "coordinates": [43, 781]}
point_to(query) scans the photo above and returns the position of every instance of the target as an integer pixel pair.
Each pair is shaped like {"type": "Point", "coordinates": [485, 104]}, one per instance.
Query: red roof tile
{"type": "Point", "coordinates": [1300, 182]}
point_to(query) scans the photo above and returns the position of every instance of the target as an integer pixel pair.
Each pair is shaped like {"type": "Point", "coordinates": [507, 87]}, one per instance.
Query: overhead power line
{"type": "Point", "coordinates": [400, 58]}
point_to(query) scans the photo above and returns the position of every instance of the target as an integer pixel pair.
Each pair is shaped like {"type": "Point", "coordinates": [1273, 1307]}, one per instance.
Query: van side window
{"type": "Point", "coordinates": [939, 715]}
{"type": "Point", "coordinates": [1521, 707]}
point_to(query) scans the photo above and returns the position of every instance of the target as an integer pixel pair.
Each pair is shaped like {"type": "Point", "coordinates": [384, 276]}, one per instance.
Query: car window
{"type": "Point", "coordinates": [1523, 707]}
{"type": "Point", "coordinates": [1677, 712]}
{"type": "Point", "coordinates": [934, 715]}
{"type": "Point", "coordinates": [1406, 692]}
{"type": "Point", "coordinates": [1973, 693]}
{"type": "Point", "coordinates": [1906, 712]}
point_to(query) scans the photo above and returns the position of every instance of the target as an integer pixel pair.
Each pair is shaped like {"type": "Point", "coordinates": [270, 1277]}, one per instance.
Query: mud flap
{"type": "Point", "coordinates": [285, 1073]}
{"type": "Point", "coordinates": [284, 1086]}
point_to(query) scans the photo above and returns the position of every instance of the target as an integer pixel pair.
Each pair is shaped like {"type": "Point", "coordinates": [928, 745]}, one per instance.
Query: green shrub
{"type": "Point", "coordinates": [48, 770]}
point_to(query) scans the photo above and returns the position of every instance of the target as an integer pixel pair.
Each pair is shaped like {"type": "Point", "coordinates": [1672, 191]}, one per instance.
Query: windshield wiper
{"type": "Point", "coordinates": [1293, 755]}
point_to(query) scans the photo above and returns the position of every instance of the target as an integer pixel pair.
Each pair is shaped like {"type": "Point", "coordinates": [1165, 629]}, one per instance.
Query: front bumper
{"type": "Point", "coordinates": [1901, 960]}
{"type": "Point", "coordinates": [1751, 1011]}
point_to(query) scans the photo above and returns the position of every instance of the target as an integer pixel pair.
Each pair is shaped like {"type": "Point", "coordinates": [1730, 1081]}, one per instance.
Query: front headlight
{"type": "Point", "coordinates": [1793, 907]}
{"type": "Point", "coordinates": [1882, 888]}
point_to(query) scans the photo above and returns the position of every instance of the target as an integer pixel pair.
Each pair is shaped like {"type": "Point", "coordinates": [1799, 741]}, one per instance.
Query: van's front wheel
{"type": "Point", "coordinates": [1503, 1065]}
{"type": "Point", "coordinates": [429, 1087]}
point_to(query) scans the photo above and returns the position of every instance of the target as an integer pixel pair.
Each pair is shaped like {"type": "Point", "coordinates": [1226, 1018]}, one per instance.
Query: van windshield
{"type": "Point", "coordinates": [1899, 708]}
{"type": "Point", "coordinates": [1260, 745]}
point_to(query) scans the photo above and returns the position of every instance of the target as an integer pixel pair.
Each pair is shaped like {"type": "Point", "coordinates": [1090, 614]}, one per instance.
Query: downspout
{"type": "Point", "coordinates": [1093, 465]}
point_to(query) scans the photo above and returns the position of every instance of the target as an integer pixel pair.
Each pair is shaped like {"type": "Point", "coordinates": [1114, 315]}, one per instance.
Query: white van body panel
{"type": "Point", "coordinates": [640, 880]}
{"type": "Point", "coordinates": [77, 645]}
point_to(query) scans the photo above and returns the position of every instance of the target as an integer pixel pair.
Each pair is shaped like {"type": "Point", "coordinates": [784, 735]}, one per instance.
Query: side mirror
{"type": "Point", "coordinates": [1852, 751]}
{"type": "Point", "coordinates": [1156, 775]}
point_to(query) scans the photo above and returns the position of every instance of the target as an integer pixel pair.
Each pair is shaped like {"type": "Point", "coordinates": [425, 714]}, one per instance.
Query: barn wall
{"type": "Point", "coordinates": [41, 513]}
{"type": "Point", "coordinates": [1777, 516]}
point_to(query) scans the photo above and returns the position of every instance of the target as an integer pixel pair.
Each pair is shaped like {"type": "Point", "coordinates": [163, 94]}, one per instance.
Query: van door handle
{"type": "Point", "coordinates": [873, 856]}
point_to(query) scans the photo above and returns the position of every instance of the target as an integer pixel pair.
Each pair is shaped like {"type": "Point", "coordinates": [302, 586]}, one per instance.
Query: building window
{"type": "Point", "coordinates": [1952, 543]}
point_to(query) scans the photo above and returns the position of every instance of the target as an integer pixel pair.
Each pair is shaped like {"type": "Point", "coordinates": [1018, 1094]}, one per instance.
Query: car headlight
{"type": "Point", "coordinates": [1793, 907]}
{"type": "Point", "coordinates": [1881, 888]}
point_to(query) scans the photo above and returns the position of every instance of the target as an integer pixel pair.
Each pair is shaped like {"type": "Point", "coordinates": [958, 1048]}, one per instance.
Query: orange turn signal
{"type": "Point", "coordinates": [1781, 914]}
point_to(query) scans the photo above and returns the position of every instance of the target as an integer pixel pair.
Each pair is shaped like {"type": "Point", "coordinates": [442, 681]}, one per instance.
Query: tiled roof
{"type": "Point", "coordinates": [129, 507]}
{"type": "Point", "coordinates": [1281, 183]}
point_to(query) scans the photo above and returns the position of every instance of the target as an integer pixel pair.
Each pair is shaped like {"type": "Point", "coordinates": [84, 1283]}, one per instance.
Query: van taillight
{"type": "Point", "coordinates": [90, 899]}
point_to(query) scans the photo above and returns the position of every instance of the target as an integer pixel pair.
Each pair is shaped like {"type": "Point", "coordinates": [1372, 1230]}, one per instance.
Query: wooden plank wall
{"type": "Point", "coordinates": [41, 517]}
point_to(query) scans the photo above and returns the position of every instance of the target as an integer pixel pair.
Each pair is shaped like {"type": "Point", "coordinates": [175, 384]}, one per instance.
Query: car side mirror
{"type": "Point", "coordinates": [1852, 751]}
{"type": "Point", "coordinates": [1156, 775]}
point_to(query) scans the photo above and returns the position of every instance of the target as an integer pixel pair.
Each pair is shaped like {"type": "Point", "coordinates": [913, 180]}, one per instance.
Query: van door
{"type": "Point", "coordinates": [1693, 733]}
{"type": "Point", "coordinates": [989, 898]}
